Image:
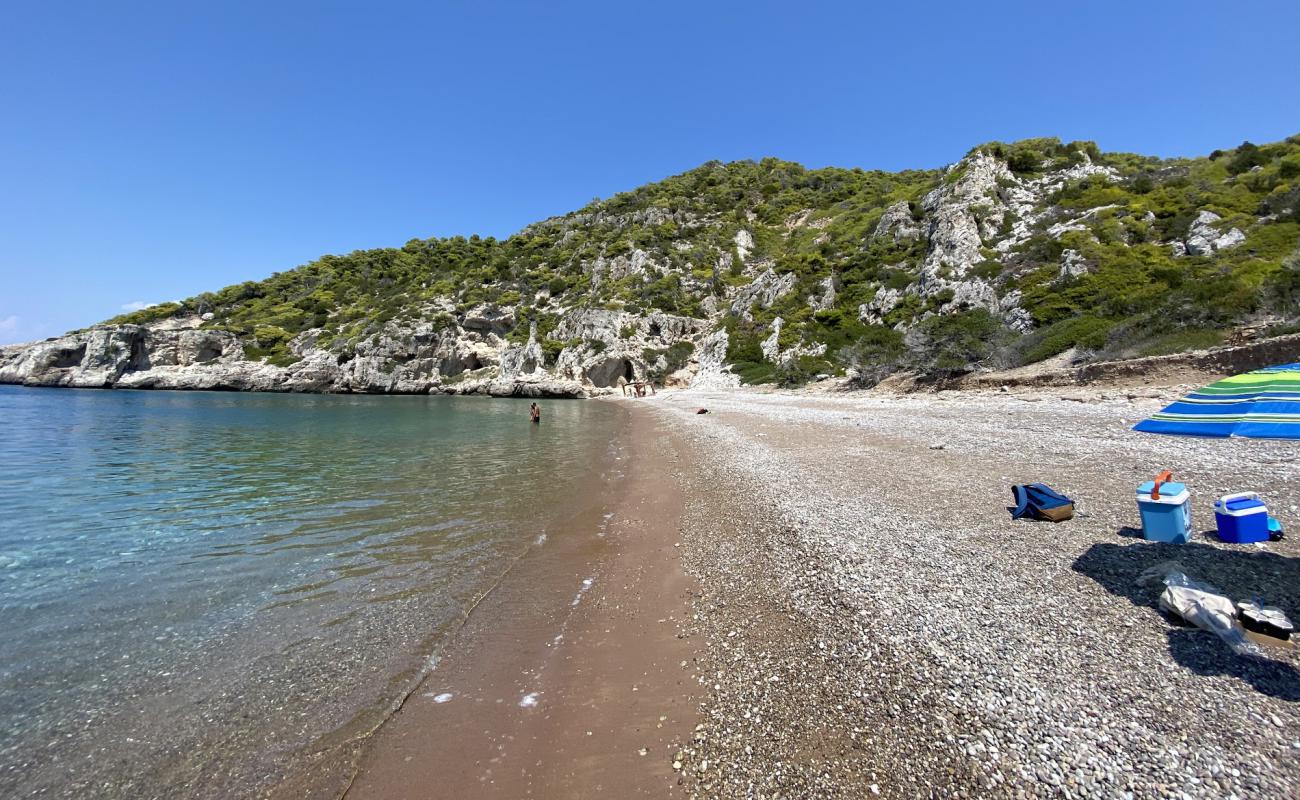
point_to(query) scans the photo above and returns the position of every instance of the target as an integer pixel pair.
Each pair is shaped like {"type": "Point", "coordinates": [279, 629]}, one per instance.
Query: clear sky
{"type": "Point", "coordinates": [150, 151]}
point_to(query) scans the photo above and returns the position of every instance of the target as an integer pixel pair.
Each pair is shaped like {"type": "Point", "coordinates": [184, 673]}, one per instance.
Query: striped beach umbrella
{"type": "Point", "coordinates": [1264, 404]}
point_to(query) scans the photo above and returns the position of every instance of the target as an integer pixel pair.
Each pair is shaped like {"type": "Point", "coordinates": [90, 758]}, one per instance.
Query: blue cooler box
{"type": "Point", "coordinates": [1167, 518]}
{"type": "Point", "coordinates": [1241, 518]}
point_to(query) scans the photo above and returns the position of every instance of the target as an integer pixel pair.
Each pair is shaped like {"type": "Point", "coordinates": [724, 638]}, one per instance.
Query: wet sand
{"type": "Point", "coordinates": [569, 679]}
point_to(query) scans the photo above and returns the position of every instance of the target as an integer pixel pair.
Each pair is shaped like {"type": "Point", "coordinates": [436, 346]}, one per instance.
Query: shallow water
{"type": "Point", "coordinates": [207, 593]}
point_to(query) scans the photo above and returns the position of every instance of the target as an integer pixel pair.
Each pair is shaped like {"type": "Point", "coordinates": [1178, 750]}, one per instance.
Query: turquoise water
{"type": "Point", "coordinates": [204, 593]}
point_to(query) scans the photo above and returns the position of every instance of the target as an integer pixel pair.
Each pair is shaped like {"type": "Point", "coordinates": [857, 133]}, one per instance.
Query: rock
{"type": "Point", "coordinates": [1203, 238]}
{"type": "Point", "coordinates": [826, 293]}
{"type": "Point", "coordinates": [770, 347]}
{"type": "Point", "coordinates": [744, 244]}
{"type": "Point", "coordinates": [408, 358]}
{"type": "Point", "coordinates": [1073, 264]}
{"type": "Point", "coordinates": [954, 230]}
{"type": "Point", "coordinates": [765, 290]}
{"type": "Point", "coordinates": [488, 318]}
{"type": "Point", "coordinates": [710, 354]}
{"type": "Point", "coordinates": [884, 301]}
{"type": "Point", "coordinates": [897, 222]}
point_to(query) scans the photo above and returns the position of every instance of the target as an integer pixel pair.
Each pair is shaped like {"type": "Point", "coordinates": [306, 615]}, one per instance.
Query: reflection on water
{"type": "Point", "coordinates": [201, 590]}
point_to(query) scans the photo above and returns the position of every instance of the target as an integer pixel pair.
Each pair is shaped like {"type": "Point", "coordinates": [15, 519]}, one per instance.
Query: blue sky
{"type": "Point", "coordinates": [149, 151]}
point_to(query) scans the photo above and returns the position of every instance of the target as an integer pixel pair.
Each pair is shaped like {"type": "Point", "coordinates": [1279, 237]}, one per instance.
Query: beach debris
{"type": "Point", "coordinates": [701, 411]}
{"type": "Point", "coordinates": [1268, 620]}
{"type": "Point", "coordinates": [1200, 604]}
{"type": "Point", "coordinates": [441, 698]}
{"type": "Point", "coordinates": [936, 446]}
{"type": "Point", "coordinates": [529, 700]}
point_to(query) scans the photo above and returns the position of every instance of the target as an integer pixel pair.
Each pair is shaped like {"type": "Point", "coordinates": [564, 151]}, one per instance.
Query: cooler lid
{"type": "Point", "coordinates": [1168, 489]}
{"type": "Point", "coordinates": [1245, 504]}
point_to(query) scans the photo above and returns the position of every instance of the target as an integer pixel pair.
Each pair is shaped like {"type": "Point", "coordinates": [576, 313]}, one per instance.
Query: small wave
{"type": "Point", "coordinates": [586, 584]}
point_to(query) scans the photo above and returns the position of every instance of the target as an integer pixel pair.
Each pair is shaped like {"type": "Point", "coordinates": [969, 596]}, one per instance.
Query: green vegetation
{"type": "Point", "coordinates": [671, 246]}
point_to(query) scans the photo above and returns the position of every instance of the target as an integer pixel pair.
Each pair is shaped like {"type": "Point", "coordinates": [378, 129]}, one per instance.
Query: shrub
{"type": "Point", "coordinates": [678, 354]}
{"type": "Point", "coordinates": [876, 354]}
{"type": "Point", "coordinates": [1181, 342]}
{"type": "Point", "coordinates": [1246, 157]}
{"type": "Point", "coordinates": [1085, 332]}
{"type": "Point", "coordinates": [986, 270]}
{"type": "Point", "coordinates": [1024, 160]}
{"type": "Point", "coordinates": [551, 351]}
{"type": "Point", "coordinates": [1289, 167]}
{"type": "Point", "coordinates": [953, 343]}
{"type": "Point", "coordinates": [148, 314]}
{"type": "Point", "coordinates": [1282, 289]}
{"type": "Point", "coordinates": [268, 336]}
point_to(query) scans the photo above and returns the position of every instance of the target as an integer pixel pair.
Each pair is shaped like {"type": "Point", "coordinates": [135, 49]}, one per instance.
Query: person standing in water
{"type": "Point", "coordinates": [535, 414]}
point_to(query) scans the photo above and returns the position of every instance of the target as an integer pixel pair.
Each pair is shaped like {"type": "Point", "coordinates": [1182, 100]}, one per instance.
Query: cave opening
{"type": "Point", "coordinates": [70, 358]}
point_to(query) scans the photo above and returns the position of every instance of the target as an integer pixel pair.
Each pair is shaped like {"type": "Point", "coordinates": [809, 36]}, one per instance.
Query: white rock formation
{"type": "Point", "coordinates": [825, 295]}
{"type": "Point", "coordinates": [1204, 238]}
{"type": "Point", "coordinates": [744, 244]}
{"type": "Point", "coordinates": [765, 290]}
{"type": "Point", "coordinates": [711, 356]}
{"type": "Point", "coordinates": [897, 222]}
{"type": "Point", "coordinates": [873, 311]}
{"type": "Point", "coordinates": [1073, 264]}
{"type": "Point", "coordinates": [770, 346]}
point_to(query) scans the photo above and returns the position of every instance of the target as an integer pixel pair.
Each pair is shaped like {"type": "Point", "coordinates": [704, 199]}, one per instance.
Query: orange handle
{"type": "Point", "coordinates": [1161, 478]}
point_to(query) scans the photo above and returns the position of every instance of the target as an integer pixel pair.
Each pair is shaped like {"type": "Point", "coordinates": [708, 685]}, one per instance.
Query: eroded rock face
{"type": "Point", "coordinates": [897, 222]}
{"type": "Point", "coordinates": [764, 290]}
{"type": "Point", "coordinates": [471, 358]}
{"type": "Point", "coordinates": [1204, 238]}
{"type": "Point", "coordinates": [954, 226]}
{"type": "Point", "coordinates": [710, 361]}
{"type": "Point", "coordinates": [825, 295]}
{"type": "Point", "coordinates": [873, 312]}
{"type": "Point", "coordinates": [980, 211]}
{"type": "Point", "coordinates": [744, 244]}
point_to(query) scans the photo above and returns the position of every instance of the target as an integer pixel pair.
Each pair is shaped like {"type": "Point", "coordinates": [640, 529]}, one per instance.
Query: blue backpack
{"type": "Point", "coordinates": [1040, 501]}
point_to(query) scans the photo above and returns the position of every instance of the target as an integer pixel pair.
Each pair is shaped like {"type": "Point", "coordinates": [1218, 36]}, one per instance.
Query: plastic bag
{"type": "Point", "coordinates": [1201, 604]}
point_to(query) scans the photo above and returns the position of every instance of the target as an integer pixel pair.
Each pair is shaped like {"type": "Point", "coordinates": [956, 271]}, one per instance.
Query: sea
{"type": "Point", "coordinates": [211, 594]}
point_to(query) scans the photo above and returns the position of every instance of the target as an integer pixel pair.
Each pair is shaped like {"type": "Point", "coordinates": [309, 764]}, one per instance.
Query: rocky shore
{"type": "Point", "coordinates": [466, 354]}
{"type": "Point", "coordinates": [874, 624]}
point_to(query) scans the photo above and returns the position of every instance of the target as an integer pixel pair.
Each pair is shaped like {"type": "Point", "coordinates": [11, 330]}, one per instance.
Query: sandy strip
{"type": "Point", "coordinates": [569, 680]}
{"type": "Point", "coordinates": [875, 624]}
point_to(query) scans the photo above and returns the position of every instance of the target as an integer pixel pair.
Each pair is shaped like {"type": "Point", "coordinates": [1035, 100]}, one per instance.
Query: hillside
{"type": "Point", "coordinates": [757, 272]}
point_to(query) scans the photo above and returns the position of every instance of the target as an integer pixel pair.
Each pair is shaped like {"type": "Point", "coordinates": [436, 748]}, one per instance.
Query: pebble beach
{"type": "Point", "coordinates": [871, 622]}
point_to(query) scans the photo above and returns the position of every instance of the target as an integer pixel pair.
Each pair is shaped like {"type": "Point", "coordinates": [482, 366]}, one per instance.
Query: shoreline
{"type": "Point", "coordinates": [820, 594]}
{"type": "Point", "coordinates": [570, 678]}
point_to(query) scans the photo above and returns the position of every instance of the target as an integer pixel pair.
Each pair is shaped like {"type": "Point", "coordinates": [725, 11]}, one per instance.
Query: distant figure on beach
{"type": "Point", "coordinates": [535, 414]}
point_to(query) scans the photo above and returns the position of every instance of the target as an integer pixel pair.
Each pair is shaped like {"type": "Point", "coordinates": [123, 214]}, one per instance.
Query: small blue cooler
{"type": "Point", "coordinates": [1167, 518]}
{"type": "Point", "coordinates": [1241, 518]}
